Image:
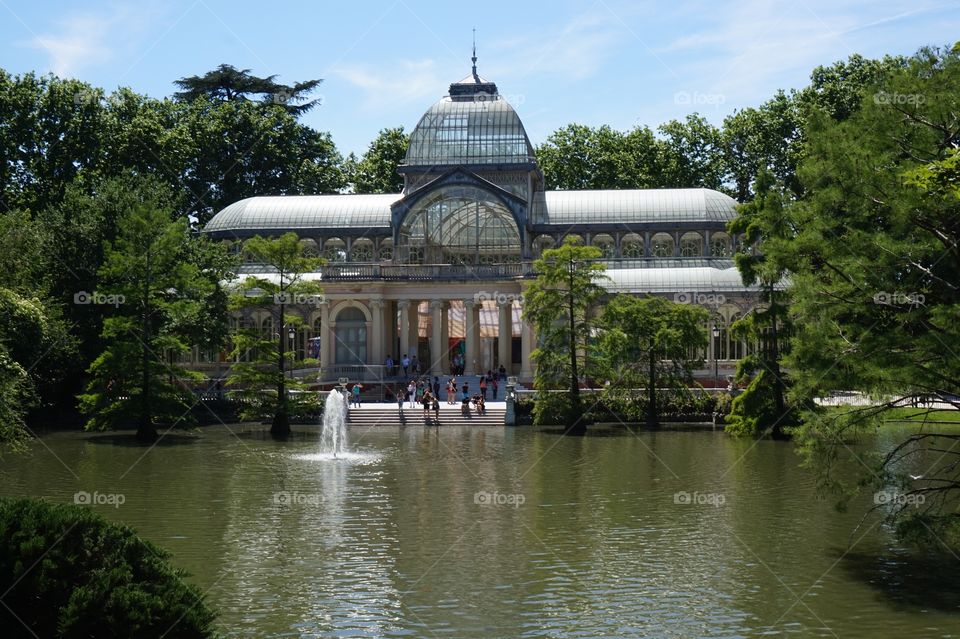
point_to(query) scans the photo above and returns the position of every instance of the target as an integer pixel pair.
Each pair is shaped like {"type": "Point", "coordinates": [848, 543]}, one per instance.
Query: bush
{"type": "Point", "coordinates": [68, 572]}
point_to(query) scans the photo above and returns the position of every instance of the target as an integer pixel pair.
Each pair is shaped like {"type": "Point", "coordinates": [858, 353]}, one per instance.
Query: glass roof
{"type": "Point", "coordinates": [283, 212]}
{"type": "Point", "coordinates": [482, 130]}
{"type": "Point", "coordinates": [677, 278]}
{"type": "Point", "coordinates": [632, 206]}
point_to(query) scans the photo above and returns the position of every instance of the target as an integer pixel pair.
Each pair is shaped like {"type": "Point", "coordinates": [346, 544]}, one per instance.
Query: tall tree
{"type": "Point", "coordinates": [157, 295]}
{"type": "Point", "coordinates": [227, 83]}
{"type": "Point", "coordinates": [376, 171]}
{"type": "Point", "coordinates": [261, 381]}
{"type": "Point", "coordinates": [561, 304]}
{"type": "Point", "coordinates": [875, 281]}
{"type": "Point", "coordinates": [768, 233]}
{"type": "Point", "coordinates": [648, 342]}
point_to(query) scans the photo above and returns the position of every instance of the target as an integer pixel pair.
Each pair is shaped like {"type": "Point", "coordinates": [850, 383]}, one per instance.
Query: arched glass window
{"type": "Point", "coordinates": [606, 244]}
{"type": "Point", "coordinates": [720, 245]}
{"type": "Point", "coordinates": [459, 225]}
{"type": "Point", "coordinates": [541, 243]}
{"type": "Point", "coordinates": [386, 250]}
{"type": "Point", "coordinates": [631, 245]}
{"type": "Point", "coordinates": [661, 245]}
{"type": "Point", "coordinates": [362, 250]}
{"type": "Point", "coordinates": [335, 250]}
{"type": "Point", "coordinates": [691, 245]}
{"type": "Point", "coordinates": [310, 247]}
{"type": "Point", "coordinates": [351, 336]}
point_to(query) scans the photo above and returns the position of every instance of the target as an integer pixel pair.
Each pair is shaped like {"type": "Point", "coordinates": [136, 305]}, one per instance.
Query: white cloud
{"type": "Point", "coordinates": [576, 49]}
{"type": "Point", "coordinates": [80, 42]}
{"type": "Point", "coordinates": [404, 82]}
{"type": "Point", "coordinates": [83, 40]}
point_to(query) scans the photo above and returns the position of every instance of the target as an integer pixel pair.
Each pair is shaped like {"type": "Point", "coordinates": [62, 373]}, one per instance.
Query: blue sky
{"type": "Point", "coordinates": [613, 62]}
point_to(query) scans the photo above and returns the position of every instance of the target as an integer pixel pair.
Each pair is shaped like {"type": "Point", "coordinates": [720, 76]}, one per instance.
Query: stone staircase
{"type": "Point", "coordinates": [389, 415]}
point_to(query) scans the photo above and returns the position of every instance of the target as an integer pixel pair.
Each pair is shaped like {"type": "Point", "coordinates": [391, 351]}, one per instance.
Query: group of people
{"type": "Point", "coordinates": [426, 393]}
{"type": "Point", "coordinates": [406, 364]}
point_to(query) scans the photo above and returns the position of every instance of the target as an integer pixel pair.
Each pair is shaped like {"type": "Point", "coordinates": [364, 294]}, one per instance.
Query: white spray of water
{"type": "Point", "coordinates": [333, 434]}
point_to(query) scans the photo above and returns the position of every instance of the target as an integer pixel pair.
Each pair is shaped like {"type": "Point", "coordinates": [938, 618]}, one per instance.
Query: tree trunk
{"type": "Point", "coordinates": [145, 429]}
{"type": "Point", "coordinates": [280, 428]}
{"type": "Point", "coordinates": [575, 419]}
{"type": "Point", "coordinates": [652, 391]}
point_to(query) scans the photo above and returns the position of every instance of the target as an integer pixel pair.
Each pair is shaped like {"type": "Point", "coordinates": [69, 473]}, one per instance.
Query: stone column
{"type": "Point", "coordinates": [445, 339]}
{"type": "Point", "coordinates": [505, 335]}
{"type": "Point", "coordinates": [526, 346]}
{"type": "Point", "coordinates": [375, 336]}
{"type": "Point", "coordinates": [404, 306]}
{"type": "Point", "coordinates": [325, 341]}
{"type": "Point", "coordinates": [472, 336]}
{"type": "Point", "coordinates": [436, 337]}
{"type": "Point", "coordinates": [413, 326]}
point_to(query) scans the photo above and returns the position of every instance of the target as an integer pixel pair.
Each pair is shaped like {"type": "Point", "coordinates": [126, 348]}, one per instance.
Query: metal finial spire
{"type": "Point", "coordinates": [474, 58]}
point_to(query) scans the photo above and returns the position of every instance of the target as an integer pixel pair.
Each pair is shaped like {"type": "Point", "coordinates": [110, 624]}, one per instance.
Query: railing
{"type": "Point", "coordinates": [424, 272]}
{"type": "Point", "coordinates": [349, 271]}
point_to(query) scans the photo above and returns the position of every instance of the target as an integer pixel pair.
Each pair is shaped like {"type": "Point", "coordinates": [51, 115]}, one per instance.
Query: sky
{"type": "Point", "coordinates": [383, 63]}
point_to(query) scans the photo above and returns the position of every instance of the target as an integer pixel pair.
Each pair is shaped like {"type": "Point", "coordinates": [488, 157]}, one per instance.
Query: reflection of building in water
{"type": "Point", "coordinates": [441, 268]}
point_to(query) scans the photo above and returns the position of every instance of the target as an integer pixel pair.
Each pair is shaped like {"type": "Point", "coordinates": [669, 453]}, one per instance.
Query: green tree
{"type": "Point", "coordinates": [262, 386]}
{"type": "Point", "coordinates": [226, 83]}
{"type": "Point", "coordinates": [580, 157]}
{"type": "Point", "coordinates": [768, 233]}
{"type": "Point", "coordinates": [68, 572]}
{"type": "Point", "coordinates": [649, 342]}
{"type": "Point", "coordinates": [692, 154]}
{"type": "Point", "coordinates": [376, 171]}
{"type": "Point", "coordinates": [875, 283]}
{"type": "Point", "coordinates": [561, 304]}
{"type": "Point", "coordinates": [157, 294]}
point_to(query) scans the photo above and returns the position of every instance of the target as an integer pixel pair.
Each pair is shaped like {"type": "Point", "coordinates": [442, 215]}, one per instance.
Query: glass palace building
{"type": "Point", "coordinates": [440, 269]}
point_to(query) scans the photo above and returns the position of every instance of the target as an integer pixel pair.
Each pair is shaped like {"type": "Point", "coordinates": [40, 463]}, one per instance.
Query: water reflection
{"type": "Point", "coordinates": [423, 533]}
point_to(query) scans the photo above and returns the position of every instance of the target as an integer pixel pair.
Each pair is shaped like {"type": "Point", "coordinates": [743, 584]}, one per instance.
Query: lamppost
{"type": "Point", "coordinates": [292, 334]}
{"type": "Point", "coordinates": [716, 344]}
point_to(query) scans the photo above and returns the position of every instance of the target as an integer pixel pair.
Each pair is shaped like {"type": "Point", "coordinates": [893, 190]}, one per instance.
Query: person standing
{"type": "Point", "coordinates": [356, 394]}
{"type": "Point", "coordinates": [503, 373]}
{"type": "Point", "coordinates": [411, 392]}
{"type": "Point", "coordinates": [483, 386]}
{"type": "Point", "coordinates": [427, 401]}
{"type": "Point", "coordinates": [401, 394]}
{"type": "Point", "coordinates": [436, 386]}
{"type": "Point", "coordinates": [495, 383]}
{"type": "Point", "coordinates": [436, 411]}
{"type": "Point", "coordinates": [415, 366]}
{"type": "Point", "coordinates": [405, 363]}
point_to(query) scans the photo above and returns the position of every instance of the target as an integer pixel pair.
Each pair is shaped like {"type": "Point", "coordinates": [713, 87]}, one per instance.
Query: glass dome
{"type": "Point", "coordinates": [477, 128]}
{"type": "Point", "coordinates": [459, 225]}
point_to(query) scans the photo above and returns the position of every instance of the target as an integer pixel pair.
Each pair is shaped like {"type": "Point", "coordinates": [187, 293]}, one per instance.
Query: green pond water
{"type": "Point", "coordinates": [499, 532]}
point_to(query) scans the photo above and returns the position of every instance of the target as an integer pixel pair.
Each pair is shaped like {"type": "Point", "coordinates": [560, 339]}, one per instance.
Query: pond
{"type": "Point", "coordinates": [500, 532]}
